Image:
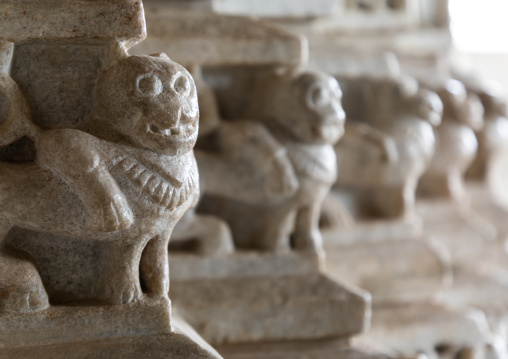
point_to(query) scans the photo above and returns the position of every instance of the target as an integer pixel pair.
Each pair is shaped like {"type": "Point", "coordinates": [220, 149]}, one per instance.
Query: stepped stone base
{"type": "Point", "coordinates": [295, 302]}
{"type": "Point", "coordinates": [392, 270]}
{"type": "Point", "coordinates": [432, 329]}
{"type": "Point", "coordinates": [143, 330]}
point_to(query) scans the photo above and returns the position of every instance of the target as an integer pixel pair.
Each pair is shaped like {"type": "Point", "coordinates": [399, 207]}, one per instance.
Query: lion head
{"type": "Point", "coordinates": [461, 106]}
{"type": "Point", "coordinates": [152, 102]}
{"type": "Point", "coordinates": [403, 95]}
{"type": "Point", "coordinates": [305, 104]}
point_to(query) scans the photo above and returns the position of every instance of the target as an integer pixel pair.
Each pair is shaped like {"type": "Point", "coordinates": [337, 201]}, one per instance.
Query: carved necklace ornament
{"type": "Point", "coordinates": [161, 191]}
{"type": "Point", "coordinates": [313, 161]}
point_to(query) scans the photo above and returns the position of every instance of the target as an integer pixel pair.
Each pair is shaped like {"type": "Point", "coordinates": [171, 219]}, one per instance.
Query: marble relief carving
{"type": "Point", "coordinates": [97, 166]}
{"type": "Point", "coordinates": [241, 155]}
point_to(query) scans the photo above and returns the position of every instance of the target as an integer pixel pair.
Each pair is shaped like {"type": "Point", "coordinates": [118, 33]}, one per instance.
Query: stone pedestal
{"type": "Point", "coordinates": [480, 271]}
{"type": "Point", "coordinates": [483, 201]}
{"type": "Point", "coordinates": [466, 233]}
{"type": "Point", "coordinates": [250, 297]}
{"type": "Point", "coordinates": [411, 283]}
{"type": "Point", "coordinates": [394, 259]}
{"type": "Point", "coordinates": [130, 331]}
{"type": "Point", "coordinates": [483, 288]}
{"type": "Point", "coordinates": [400, 271]}
{"type": "Point", "coordinates": [434, 330]}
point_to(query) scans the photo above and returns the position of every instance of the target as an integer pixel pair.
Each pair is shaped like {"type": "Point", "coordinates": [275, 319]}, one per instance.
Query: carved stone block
{"type": "Point", "coordinates": [96, 169]}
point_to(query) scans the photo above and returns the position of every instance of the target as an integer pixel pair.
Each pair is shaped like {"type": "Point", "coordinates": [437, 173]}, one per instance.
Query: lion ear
{"type": "Point", "coordinates": [161, 55]}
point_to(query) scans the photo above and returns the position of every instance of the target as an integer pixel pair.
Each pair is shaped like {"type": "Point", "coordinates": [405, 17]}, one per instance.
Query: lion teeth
{"type": "Point", "coordinates": [164, 131]}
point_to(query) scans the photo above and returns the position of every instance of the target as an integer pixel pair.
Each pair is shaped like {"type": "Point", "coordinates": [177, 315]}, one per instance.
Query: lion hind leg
{"type": "Point", "coordinates": [307, 236]}
{"type": "Point", "coordinates": [21, 288]}
{"type": "Point", "coordinates": [154, 267]}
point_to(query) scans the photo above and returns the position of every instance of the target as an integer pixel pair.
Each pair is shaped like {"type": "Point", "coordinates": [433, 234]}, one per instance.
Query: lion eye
{"type": "Point", "coordinates": [149, 85]}
{"type": "Point", "coordinates": [318, 96]}
{"type": "Point", "coordinates": [182, 84]}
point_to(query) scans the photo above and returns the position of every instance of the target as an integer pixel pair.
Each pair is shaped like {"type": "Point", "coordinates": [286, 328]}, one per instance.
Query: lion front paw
{"type": "Point", "coordinates": [21, 288]}
{"type": "Point", "coordinates": [129, 295]}
{"type": "Point", "coordinates": [112, 217]}
{"type": "Point", "coordinates": [126, 294]}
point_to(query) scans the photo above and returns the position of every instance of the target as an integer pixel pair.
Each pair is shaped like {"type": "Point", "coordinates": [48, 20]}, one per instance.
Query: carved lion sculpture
{"type": "Point", "coordinates": [122, 181]}
{"type": "Point", "coordinates": [303, 114]}
{"type": "Point", "coordinates": [388, 144]}
{"type": "Point", "coordinates": [456, 142]}
{"type": "Point", "coordinates": [493, 137]}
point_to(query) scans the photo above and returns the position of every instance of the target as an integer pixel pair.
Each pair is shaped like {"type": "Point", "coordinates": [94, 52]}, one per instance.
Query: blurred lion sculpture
{"type": "Point", "coordinates": [300, 115]}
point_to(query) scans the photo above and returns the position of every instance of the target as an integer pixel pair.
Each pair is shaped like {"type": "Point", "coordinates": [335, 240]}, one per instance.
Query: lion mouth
{"type": "Point", "coordinates": [330, 132]}
{"type": "Point", "coordinates": [175, 131]}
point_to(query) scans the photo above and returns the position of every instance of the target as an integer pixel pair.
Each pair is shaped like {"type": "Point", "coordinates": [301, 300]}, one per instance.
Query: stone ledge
{"type": "Point", "coordinates": [22, 20]}
{"type": "Point", "coordinates": [400, 270]}
{"type": "Point", "coordinates": [59, 325]}
{"type": "Point", "coordinates": [200, 38]}
{"type": "Point", "coordinates": [320, 349]}
{"type": "Point", "coordinates": [277, 8]}
{"type": "Point", "coordinates": [271, 308]}
{"type": "Point", "coordinates": [374, 231]}
{"type": "Point", "coordinates": [242, 264]}
{"type": "Point", "coordinates": [422, 327]}
{"type": "Point", "coordinates": [181, 344]}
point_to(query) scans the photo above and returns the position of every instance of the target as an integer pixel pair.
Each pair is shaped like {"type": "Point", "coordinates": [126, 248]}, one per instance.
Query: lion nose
{"type": "Point", "coordinates": [188, 112]}
{"type": "Point", "coordinates": [169, 119]}
{"type": "Point", "coordinates": [178, 113]}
